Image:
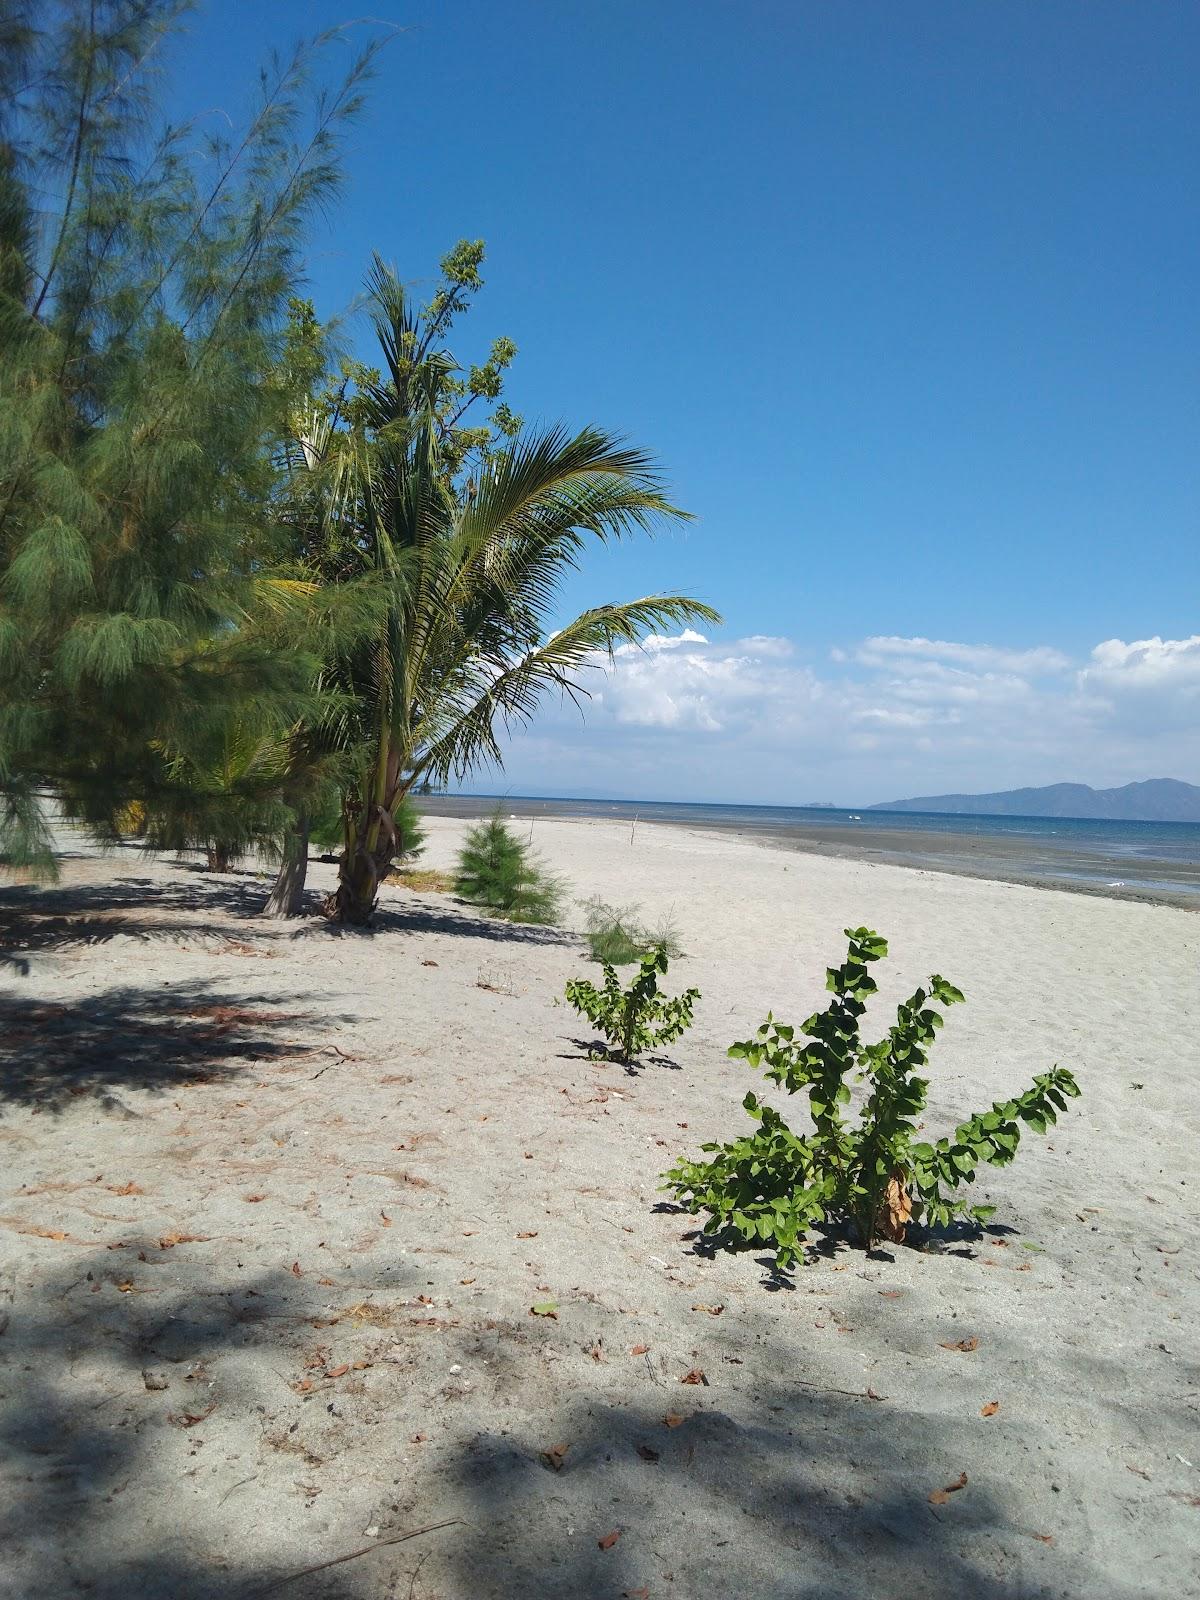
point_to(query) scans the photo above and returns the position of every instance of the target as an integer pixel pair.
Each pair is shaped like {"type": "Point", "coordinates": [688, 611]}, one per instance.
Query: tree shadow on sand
{"type": "Point", "coordinates": [765, 1483]}
{"type": "Point", "coordinates": [196, 905]}
{"type": "Point", "coordinates": [109, 1490]}
{"type": "Point", "coordinates": [129, 1037]}
{"type": "Point", "coordinates": [34, 918]}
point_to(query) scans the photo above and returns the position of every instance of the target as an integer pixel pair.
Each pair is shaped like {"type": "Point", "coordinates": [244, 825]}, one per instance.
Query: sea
{"type": "Point", "coordinates": [1157, 861]}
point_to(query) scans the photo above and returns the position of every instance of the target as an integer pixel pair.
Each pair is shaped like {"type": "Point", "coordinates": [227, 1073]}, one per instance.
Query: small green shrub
{"type": "Point", "coordinates": [497, 870]}
{"type": "Point", "coordinates": [773, 1185]}
{"type": "Point", "coordinates": [617, 936]}
{"type": "Point", "coordinates": [637, 1018]}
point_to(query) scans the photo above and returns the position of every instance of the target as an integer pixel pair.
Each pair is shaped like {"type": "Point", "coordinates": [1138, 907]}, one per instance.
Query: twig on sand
{"type": "Point", "coordinates": [237, 1485]}
{"type": "Point", "coordinates": [854, 1394]}
{"type": "Point", "coordinates": [413, 1580]}
{"type": "Point", "coordinates": [351, 1555]}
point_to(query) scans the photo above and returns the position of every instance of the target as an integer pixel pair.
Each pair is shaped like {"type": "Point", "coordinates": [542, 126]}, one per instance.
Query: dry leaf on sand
{"type": "Point", "coordinates": [939, 1497]}
{"type": "Point", "coordinates": [990, 1409]}
{"type": "Point", "coordinates": [965, 1345]}
{"type": "Point", "coordinates": [694, 1376]}
{"type": "Point", "coordinates": [609, 1539]}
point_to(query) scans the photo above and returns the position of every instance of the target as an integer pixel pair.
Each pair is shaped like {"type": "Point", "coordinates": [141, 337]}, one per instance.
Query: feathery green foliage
{"type": "Point", "coordinates": [617, 935]}
{"type": "Point", "coordinates": [144, 271]}
{"type": "Point", "coordinates": [774, 1185]}
{"type": "Point", "coordinates": [498, 870]}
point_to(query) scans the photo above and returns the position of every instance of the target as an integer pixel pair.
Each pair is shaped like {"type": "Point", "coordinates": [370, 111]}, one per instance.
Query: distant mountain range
{"type": "Point", "coordinates": [1154, 800]}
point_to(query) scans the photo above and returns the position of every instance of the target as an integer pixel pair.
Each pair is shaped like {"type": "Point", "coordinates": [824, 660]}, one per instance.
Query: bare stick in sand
{"type": "Point", "coordinates": [352, 1555]}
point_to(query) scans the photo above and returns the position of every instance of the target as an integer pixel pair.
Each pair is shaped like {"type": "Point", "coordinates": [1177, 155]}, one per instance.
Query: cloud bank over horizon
{"type": "Point", "coordinates": [756, 720]}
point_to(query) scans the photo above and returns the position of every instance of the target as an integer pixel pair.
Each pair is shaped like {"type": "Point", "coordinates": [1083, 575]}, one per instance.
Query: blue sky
{"type": "Point", "coordinates": [905, 297]}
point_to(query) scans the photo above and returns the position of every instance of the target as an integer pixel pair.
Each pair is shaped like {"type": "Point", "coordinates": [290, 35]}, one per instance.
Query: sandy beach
{"type": "Point", "coordinates": [277, 1201]}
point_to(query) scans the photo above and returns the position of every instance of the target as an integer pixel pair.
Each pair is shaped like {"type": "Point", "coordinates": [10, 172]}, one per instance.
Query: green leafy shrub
{"type": "Point", "coordinates": [637, 1018]}
{"type": "Point", "coordinates": [618, 937]}
{"type": "Point", "coordinates": [497, 870]}
{"type": "Point", "coordinates": [772, 1186]}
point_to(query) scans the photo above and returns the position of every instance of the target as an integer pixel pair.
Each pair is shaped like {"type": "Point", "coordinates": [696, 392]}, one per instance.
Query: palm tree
{"type": "Point", "coordinates": [469, 564]}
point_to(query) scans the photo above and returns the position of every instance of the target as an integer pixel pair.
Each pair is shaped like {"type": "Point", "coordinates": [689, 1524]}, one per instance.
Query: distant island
{"type": "Point", "coordinates": [1153, 800]}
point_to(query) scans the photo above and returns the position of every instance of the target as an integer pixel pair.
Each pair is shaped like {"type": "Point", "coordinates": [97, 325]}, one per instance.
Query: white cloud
{"type": "Point", "coordinates": [657, 641]}
{"type": "Point", "coordinates": [688, 717]}
{"type": "Point", "coordinates": [1146, 663]}
{"type": "Point", "coordinates": [974, 657]}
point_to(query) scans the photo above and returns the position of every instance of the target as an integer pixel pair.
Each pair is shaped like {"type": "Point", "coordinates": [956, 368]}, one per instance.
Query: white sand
{"type": "Point", "coordinates": [392, 1146]}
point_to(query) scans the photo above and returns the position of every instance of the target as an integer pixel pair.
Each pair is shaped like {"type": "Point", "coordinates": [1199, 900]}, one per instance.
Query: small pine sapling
{"type": "Point", "coordinates": [637, 1018]}
{"type": "Point", "coordinates": [774, 1185]}
{"type": "Point", "coordinates": [497, 870]}
{"type": "Point", "coordinates": [618, 937]}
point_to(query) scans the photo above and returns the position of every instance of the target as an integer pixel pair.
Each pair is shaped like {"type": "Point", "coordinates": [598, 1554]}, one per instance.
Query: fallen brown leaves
{"type": "Point", "coordinates": [713, 1311]}
{"type": "Point", "coordinates": [673, 1420]}
{"type": "Point", "coordinates": [555, 1456]}
{"type": "Point", "coordinates": [895, 1210]}
{"type": "Point", "coordinates": [990, 1409]}
{"type": "Point", "coordinates": [609, 1539]}
{"type": "Point", "coordinates": [170, 1240]}
{"type": "Point", "coordinates": [694, 1376]}
{"type": "Point", "coordinates": [189, 1419]}
{"type": "Point", "coordinates": [939, 1497]}
{"type": "Point", "coordinates": [965, 1345]}
{"type": "Point", "coordinates": [20, 1225]}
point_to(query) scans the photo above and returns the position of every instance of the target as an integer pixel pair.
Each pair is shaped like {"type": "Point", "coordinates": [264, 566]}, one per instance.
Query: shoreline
{"type": "Point", "coordinates": [992, 858]}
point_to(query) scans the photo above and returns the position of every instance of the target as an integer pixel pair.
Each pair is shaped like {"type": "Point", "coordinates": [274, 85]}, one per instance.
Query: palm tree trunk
{"type": "Point", "coordinates": [370, 845]}
{"type": "Point", "coordinates": [360, 872]}
{"type": "Point", "coordinates": [286, 898]}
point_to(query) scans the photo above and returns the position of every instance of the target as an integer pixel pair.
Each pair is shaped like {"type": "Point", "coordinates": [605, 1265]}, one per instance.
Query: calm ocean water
{"type": "Point", "coordinates": [1160, 858]}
